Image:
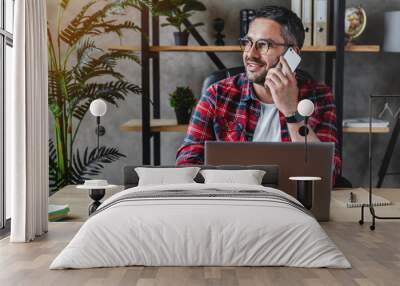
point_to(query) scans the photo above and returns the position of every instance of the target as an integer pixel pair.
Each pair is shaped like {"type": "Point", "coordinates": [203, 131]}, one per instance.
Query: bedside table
{"type": "Point", "coordinates": [78, 201]}
{"type": "Point", "coordinates": [305, 189]}
{"type": "Point", "coordinates": [96, 193]}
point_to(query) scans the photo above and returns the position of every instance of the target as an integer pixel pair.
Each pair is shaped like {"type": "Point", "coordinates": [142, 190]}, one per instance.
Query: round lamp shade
{"type": "Point", "coordinates": [98, 107]}
{"type": "Point", "coordinates": [305, 107]}
{"type": "Point", "coordinates": [392, 38]}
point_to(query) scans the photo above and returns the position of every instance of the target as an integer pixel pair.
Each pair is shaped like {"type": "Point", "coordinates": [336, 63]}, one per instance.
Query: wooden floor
{"type": "Point", "coordinates": [374, 255]}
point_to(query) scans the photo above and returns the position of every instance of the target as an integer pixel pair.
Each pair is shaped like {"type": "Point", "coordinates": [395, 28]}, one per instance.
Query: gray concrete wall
{"type": "Point", "coordinates": [364, 74]}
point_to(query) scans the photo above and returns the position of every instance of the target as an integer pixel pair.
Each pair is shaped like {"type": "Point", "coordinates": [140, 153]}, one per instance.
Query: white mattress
{"type": "Point", "coordinates": [200, 231]}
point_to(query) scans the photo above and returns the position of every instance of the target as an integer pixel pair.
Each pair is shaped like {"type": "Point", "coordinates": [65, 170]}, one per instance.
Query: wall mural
{"type": "Point", "coordinates": [80, 72]}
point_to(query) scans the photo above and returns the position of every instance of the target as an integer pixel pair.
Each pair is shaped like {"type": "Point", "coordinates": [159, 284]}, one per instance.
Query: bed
{"type": "Point", "coordinates": [197, 224]}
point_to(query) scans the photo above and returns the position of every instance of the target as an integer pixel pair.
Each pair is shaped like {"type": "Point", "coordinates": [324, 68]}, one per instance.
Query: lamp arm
{"type": "Point", "coordinates": [98, 133]}
{"type": "Point", "coordinates": [305, 137]}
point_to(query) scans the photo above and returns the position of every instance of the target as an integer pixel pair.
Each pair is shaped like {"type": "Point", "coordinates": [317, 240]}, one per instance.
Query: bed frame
{"type": "Point", "coordinates": [270, 179]}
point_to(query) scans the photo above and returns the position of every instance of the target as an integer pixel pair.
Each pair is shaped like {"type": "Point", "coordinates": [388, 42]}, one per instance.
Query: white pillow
{"type": "Point", "coordinates": [248, 177]}
{"type": "Point", "coordinates": [164, 176]}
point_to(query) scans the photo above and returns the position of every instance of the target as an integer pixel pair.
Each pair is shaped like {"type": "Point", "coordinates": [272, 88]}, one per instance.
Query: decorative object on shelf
{"type": "Point", "coordinates": [245, 18]}
{"type": "Point", "coordinates": [391, 42]}
{"type": "Point", "coordinates": [385, 109]}
{"type": "Point", "coordinates": [355, 23]}
{"type": "Point", "coordinates": [176, 12]}
{"type": "Point", "coordinates": [77, 69]}
{"type": "Point", "coordinates": [218, 25]}
{"type": "Point", "coordinates": [388, 110]}
{"type": "Point", "coordinates": [183, 101]}
{"type": "Point", "coordinates": [97, 190]}
{"type": "Point", "coordinates": [98, 108]}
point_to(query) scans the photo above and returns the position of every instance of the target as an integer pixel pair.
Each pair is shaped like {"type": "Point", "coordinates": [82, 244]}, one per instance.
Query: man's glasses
{"type": "Point", "coordinates": [262, 45]}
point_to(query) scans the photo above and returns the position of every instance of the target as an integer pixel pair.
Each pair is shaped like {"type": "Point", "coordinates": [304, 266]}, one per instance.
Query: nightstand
{"type": "Point", "coordinates": [96, 193]}
{"type": "Point", "coordinates": [305, 189]}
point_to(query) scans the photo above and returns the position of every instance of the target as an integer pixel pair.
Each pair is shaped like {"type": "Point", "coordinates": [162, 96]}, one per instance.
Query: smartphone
{"type": "Point", "coordinates": [292, 58]}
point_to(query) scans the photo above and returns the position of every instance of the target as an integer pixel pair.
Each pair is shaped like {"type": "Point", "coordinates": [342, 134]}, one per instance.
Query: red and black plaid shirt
{"type": "Point", "coordinates": [229, 111]}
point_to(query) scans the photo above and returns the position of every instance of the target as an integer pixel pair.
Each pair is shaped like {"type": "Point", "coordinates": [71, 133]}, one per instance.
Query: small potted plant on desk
{"type": "Point", "coordinates": [183, 101]}
{"type": "Point", "coordinates": [177, 11]}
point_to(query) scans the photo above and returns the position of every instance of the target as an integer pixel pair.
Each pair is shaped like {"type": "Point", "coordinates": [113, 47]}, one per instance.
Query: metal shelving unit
{"type": "Point", "coordinates": [334, 75]}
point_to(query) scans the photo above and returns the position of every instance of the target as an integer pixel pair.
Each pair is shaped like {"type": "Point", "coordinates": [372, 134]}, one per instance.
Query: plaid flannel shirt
{"type": "Point", "coordinates": [229, 111]}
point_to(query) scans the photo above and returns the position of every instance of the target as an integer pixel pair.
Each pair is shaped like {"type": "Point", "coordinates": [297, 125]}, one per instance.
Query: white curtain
{"type": "Point", "coordinates": [27, 124]}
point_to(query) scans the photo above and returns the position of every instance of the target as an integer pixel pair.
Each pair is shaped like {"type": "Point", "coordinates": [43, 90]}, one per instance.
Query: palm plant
{"type": "Point", "coordinates": [72, 87]}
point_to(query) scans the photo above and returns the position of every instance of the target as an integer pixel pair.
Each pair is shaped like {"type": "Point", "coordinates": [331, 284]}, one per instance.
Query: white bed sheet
{"type": "Point", "coordinates": [200, 232]}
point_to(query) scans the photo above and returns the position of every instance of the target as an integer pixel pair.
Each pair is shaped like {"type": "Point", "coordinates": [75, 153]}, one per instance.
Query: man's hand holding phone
{"type": "Point", "coordinates": [282, 83]}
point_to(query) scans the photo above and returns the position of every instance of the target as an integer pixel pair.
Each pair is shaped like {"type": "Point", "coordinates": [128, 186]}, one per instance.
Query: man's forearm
{"type": "Point", "coordinates": [296, 137]}
{"type": "Point", "coordinates": [190, 154]}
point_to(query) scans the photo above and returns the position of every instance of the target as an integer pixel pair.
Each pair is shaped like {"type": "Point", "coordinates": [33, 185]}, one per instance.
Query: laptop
{"type": "Point", "coordinates": [290, 156]}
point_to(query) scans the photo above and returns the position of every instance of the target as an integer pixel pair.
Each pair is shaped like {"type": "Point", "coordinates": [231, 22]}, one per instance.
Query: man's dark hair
{"type": "Point", "coordinates": [292, 26]}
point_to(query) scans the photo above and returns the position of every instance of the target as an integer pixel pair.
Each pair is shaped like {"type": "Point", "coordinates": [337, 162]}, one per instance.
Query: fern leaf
{"type": "Point", "coordinates": [110, 92]}
{"type": "Point", "coordinates": [92, 162]}
{"type": "Point", "coordinates": [84, 48]}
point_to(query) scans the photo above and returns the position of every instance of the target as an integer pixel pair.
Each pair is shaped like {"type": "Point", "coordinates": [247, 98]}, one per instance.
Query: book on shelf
{"type": "Point", "coordinates": [320, 23]}
{"type": "Point", "coordinates": [315, 17]}
{"type": "Point", "coordinates": [363, 122]}
{"type": "Point", "coordinates": [307, 18]}
{"type": "Point", "coordinates": [296, 7]}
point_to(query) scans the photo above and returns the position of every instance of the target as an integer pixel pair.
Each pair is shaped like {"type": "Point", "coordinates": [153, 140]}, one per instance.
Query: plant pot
{"type": "Point", "coordinates": [183, 115]}
{"type": "Point", "coordinates": [181, 38]}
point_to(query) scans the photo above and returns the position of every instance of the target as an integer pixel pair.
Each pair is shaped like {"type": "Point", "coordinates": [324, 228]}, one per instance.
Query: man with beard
{"type": "Point", "coordinates": [261, 104]}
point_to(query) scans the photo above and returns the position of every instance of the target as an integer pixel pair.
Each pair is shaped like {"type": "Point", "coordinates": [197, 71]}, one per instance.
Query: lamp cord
{"type": "Point", "coordinates": [305, 137]}
{"type": "Point", "coordinates": [98, 133]}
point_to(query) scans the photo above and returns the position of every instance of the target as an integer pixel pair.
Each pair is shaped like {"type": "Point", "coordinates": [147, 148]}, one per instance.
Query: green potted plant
{"type": "Point", "coordinates": [177, 11]}
{"type": "Point", "coordinates": [183, 101]}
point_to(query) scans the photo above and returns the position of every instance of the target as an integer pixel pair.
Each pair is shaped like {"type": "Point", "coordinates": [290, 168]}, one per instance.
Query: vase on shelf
{"type": "Point", "coordinates": [218, 25]}
{"type": "Point", "coordinates": [181, 38]}
{"type": "Point", "coordinates": [183, 115]}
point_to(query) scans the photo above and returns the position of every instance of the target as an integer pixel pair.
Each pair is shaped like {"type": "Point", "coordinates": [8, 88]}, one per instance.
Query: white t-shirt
{"type": "Point", "coordinates": [268, 127]}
